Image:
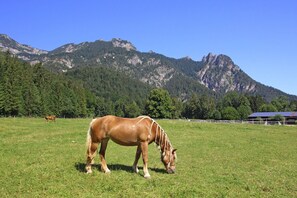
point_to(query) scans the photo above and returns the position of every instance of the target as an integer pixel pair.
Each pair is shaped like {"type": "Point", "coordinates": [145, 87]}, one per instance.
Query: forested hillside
{"type": "Point", "coordinates": [214, 75]}
{"type": "Point", "coordinates": [27, 90]}
{"type": "Point", "coordinates": [111, 85]}
{"type": "Point", "coordinates": [32, 90]}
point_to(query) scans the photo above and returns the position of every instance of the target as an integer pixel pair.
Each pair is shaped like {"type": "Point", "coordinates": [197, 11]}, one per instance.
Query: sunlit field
{"type": "Point", "coordinates": [40, 159]}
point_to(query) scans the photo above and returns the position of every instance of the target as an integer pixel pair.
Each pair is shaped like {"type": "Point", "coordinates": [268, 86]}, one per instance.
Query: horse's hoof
{"type": "Point", "coordinates": [89, 172]}
{"type": "Point", "coordinates": [107, 171]}
{"type": "Point", "coordinates": [147, 176]}
{"type": "Point", "coordinates": [135, 170]}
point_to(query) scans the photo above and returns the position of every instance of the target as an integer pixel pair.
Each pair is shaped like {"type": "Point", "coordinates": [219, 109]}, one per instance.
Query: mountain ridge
{"type": "Point", "coordinates": [7, 43]}
{"type": "Point", "coordinates": [213, 75]}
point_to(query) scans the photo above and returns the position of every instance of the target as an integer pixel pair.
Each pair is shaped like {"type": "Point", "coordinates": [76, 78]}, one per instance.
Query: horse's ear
{"type": "Point", "coordinates": [174, 150]}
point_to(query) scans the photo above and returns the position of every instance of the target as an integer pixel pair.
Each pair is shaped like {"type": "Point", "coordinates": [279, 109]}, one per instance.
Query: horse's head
{"type": "Point", "coordinates": [168, 158]}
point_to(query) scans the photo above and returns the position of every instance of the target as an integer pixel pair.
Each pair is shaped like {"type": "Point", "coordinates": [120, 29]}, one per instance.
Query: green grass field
{"type": "Point", "coordinates": [39, 159]}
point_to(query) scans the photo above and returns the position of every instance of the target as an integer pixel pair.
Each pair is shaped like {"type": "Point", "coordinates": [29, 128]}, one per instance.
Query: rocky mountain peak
{"type": "Point", "coordinates": [117, 42]}
{"type": "Point", "coordinates": [71, 47]}
{"type": "Point", "coordinates": [219, 73]}
{"type": "Point", "coordinates": [4, 37]}
{"type": "Point", "coordinates": [8, 44]}
{"type": "Point", "coordinates": [210, 58]}
{"type": "Point", "coordinates": [219, 60]}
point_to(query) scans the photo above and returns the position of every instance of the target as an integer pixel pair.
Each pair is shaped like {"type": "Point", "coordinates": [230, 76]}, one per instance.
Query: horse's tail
{"type": "Point", "coordinates": [88, 143]}
{"type": "Point", "coordinates": [89, 138]}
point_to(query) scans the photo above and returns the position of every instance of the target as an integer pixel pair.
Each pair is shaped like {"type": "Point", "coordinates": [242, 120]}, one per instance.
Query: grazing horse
{"type": "Point", "coordinates": [50, 117]}
{"type": "Point", "coordinates": [140, 132]}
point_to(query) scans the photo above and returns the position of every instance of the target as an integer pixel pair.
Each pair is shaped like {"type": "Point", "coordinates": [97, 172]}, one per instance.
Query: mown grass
{"type": "Point", "coordinates": [39, 159]}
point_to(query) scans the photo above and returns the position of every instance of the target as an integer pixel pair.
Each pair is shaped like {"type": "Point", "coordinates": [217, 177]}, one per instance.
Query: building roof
{"type": "Point", "coordinates": [271, 114]}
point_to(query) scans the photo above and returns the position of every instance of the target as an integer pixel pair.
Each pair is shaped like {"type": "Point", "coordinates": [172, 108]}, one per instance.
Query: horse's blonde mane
{"type": "Point", "coordinates": [163, 138]}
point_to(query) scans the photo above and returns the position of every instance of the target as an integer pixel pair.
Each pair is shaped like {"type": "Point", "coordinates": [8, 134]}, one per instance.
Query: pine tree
{"type": "Point", "coordinates": [31, 97]}
{"type": "Point", "coordinates": [11, 96]}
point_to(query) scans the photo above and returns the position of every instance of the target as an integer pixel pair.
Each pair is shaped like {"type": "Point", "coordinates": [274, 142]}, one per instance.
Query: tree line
{"type": "Point", "coordinates": [232, 106]}
{"type": "Point", "coordinates": [32, 90]}
{"type": "Point", "coordinates": [27, 90]}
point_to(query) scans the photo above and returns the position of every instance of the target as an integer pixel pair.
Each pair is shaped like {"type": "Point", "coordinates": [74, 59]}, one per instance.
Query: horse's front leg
{"type": "Point", "coordinates": [144, 150]}
{"type": "Point", "coordinates": [137, 156]}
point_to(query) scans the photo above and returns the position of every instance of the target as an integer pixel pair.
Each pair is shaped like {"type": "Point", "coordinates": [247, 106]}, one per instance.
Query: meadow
{"type": "Point", "coordinates": [40, 159]}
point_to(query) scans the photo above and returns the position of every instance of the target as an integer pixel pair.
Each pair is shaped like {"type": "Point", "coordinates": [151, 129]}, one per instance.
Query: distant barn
{"type": "Point", "coordinates": [271, 117]}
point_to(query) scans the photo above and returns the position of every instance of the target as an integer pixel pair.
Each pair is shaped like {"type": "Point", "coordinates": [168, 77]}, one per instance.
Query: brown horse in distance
{"type": "Point", "coordinates": [140, 132]}
{"type": "Point", "coordinates": [50, 118]}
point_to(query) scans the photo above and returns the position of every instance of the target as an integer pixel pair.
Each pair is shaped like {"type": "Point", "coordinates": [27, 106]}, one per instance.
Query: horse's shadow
{"type": "Point", "coordinates": [114, 167]}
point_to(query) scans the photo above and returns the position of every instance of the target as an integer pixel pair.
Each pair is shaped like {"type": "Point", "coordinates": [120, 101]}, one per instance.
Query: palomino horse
{"type": "Point", "coordinates": [50, 117]}
{"type": "Point", "coordinates": [140, 132]}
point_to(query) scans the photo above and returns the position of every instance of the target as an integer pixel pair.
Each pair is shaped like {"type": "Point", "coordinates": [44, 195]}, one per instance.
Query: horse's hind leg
{"type": "Point", "coordinates": [137, 156]}
{"type": "Point", "coordinates": [104, 167]}
{"type": "Point", "coordinates": [91, 152]}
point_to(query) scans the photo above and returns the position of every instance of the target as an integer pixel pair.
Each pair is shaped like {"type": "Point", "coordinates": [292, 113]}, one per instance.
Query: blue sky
{"type": "Point", "coordinates": [259, 35]}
